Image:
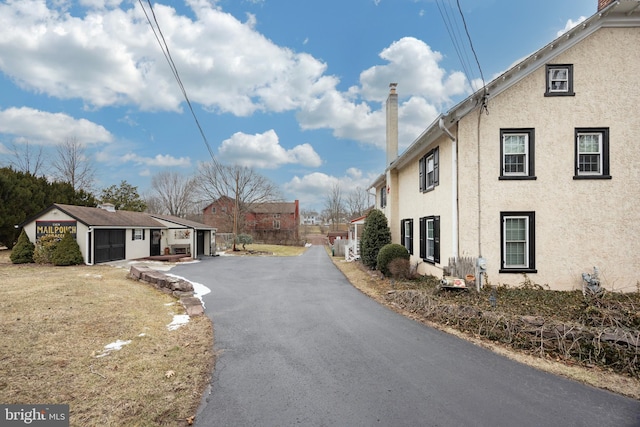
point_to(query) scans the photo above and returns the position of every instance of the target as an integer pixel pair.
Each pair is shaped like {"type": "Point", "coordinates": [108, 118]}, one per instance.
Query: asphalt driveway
{"type": "Point", "coordinates": [298, 345]}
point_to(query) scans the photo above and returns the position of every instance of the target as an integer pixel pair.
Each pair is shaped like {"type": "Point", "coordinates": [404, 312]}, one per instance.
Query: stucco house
{"type": "Point", "coordinates": [106, 234]}
{"type": "Point", "coordinates": [546, 184]}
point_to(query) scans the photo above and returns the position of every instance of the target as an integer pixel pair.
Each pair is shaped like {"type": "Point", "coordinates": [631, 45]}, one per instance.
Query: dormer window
{"type": "Point", "coordinates": [559, 80]}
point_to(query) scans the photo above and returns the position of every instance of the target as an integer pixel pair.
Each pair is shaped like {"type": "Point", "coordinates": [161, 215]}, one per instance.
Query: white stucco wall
{"type": "Point", "coordinates": [437, 202]}
{"type": "Point", "coordinates": [579, 223]}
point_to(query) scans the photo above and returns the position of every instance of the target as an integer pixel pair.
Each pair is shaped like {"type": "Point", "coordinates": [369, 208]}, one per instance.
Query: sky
{"type": "Point", "coordinates": [293, 89]}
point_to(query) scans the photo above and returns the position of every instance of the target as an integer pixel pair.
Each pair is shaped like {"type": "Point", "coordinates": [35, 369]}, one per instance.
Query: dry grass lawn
{"type": "Point", "coordinates": [376, 288]}
{"type": "Point", "coordinates": [55, 323]}
{"type": "Point", "coordinates": [272, 250]}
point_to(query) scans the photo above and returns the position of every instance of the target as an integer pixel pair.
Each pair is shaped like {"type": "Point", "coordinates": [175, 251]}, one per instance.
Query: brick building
{"type": "Point", "coordinates": [274, 222]}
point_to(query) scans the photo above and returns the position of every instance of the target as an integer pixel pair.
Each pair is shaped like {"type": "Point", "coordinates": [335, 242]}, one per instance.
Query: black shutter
{"type": "Point", "coordinates": [436, 167]}
{"type": "Point", "coordinates": [143, 234]}
{"type": "Point", "coordinates": [423, 232]}
{"type": "Point", "coordinates": [411, 236]}
{"type": "Point", "coordinates": [133, 234]}
{"type": "Point", "coordinates": [421, 177]}
{"type": "Point", "coordinates": [402, 236]}
{"type": "Point", "coordinates": [436, 239]}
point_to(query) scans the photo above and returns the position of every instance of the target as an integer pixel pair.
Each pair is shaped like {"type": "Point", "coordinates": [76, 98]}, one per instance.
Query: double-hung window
{"type": "Point", "coordinates": [429, 166]}
{"type": "Point", "coordinates": [430, 239]}
{"type": "Point", "coordinates": [559, 80]}
{"type": "Point", "coordinates": [592, 153]}
{"type": "Point", "coordinates": [406, 228]}
{"type": "Point", "coordinates": [518, 242]}
{"type": "Point", "coordinates": [517, 153]}
{"type": "Point", "coordinates": [137, 234]}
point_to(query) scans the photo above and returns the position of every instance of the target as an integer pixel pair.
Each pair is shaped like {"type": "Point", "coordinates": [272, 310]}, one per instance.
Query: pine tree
{"type": "Point", "coordinates": [22, 252]}
{"type": "Point", "coordinates": [375, 235]}
{"type": "Point", "coordinates": [67, 251]}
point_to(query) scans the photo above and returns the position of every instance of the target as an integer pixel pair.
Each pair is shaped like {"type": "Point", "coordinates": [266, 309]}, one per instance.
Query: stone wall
{"type": "Point", "coordinates": [179, 288]}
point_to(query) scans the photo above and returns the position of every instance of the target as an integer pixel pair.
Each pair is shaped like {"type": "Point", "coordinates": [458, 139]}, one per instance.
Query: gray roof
{"type": "Point", "coordinates": [101, 217]}
{"type": "Point", "coordinates": [183, 222]}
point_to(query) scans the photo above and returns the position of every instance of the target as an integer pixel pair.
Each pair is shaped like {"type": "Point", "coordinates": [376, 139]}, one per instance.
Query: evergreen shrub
{"type": "Point", "coordinates": [22, 252]}
{"type": "Point", "coordinates": [388, 253]}
{"type": "Point", "coordinates": [67, 251]}
{"type": "Point", "coordinates": [375, 235]}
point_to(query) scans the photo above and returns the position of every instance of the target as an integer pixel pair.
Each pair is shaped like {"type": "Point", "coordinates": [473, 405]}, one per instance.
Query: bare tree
{"type": "Point", "coordinates": [174, 193]}
{"type": "Point", "coordinates": [334, 205]}
{"type": "Point", "coordinates": [72, 165]}
{"type": "Point", "coordinates": [241, 185]}
{"type": "Point", "coordinates": [28, 160]}
{"type": "Point", "coordinates": [357, 202]}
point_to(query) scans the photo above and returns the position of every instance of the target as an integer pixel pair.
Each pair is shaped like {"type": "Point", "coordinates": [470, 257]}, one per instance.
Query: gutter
{"type": "Point", "coordinates": [454, 185]}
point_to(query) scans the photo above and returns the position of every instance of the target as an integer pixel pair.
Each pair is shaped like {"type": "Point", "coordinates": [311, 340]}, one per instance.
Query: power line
{"type": "Point", "coordinates": [167, 54]}
{"type": "Point", "coordinates": [459, 48]}
{"type": "Point", "coordinates": [484, 85]}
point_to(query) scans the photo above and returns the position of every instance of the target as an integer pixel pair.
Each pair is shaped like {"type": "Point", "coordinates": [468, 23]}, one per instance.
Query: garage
{"type": "Point", "coordinates": [109, 245]}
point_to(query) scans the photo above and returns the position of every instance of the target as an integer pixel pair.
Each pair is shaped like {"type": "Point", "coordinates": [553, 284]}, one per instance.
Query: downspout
{"type": "Point", "coordinates": [454, 186]}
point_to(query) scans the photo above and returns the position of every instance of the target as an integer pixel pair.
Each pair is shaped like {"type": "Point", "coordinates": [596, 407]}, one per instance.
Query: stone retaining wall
{"type": "Point", "coordinates": [179, 288]}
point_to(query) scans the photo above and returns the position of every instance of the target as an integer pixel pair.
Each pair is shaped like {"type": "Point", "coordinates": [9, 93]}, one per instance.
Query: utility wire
{"type": "Point", "coordinates": [484, 85]}
{"type": "Point", "coordinates": [449, 25]}
{"type": "Point", "coordinates": [165, 50]}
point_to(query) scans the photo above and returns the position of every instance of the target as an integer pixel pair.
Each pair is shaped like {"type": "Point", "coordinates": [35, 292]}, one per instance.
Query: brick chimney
{"type": "Point", "coordinates": [604, 3]}
{"type": "Point", "coordinates": [392, 124]}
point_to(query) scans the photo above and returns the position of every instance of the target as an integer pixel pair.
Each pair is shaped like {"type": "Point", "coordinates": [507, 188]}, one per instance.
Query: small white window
{"type": "Point", "coordinates": [137, 234]}
{"type": "Point", "coordinates": [516, 154]}
{"type": "Point", "coordinates": [589, 153]}
{"type": "Point", "coordinates": [276, 224]}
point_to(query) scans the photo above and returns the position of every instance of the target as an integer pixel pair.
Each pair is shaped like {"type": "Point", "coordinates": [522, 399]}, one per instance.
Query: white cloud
{"type": "Point", "coordinates": [570, 24]}
{"type": "Point", "coordinates": [312, 189]}
{"type": "Point", "coordinates": [108, 56]}
{"type": "Point", "coordinates": [265, 152]}
{"type": "Point", "coordinates": [160, 160]}
{"type": "Point", "coordinates": [41, 127]}
{"type": "Point", "coordinates": [415, 67]}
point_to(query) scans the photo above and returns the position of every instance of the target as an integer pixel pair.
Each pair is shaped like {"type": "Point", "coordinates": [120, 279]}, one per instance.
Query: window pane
{"type": "Point", "coordinates": [515, 253]}
{"type": "Point", "coordinates": [515, 229]}
{"type": "Point", "coordinates": [589, 163]}
{"type": "Point", "coordinates": [430, 241]}
{"type": "Point", "coordinates": [514, 144]}
{"type": "Point", "coordinates": [589, 143]}
{"type": "Point", "coordinates": [514, 163]}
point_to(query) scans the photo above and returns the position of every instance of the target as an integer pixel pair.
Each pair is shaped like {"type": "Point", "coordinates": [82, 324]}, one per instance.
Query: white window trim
{"type": "Point", "coordinates": [137, 234]}
{"type": "Point", "coordinates": [430, 256]}
{"type": "Point", "coordinates": [599, 152]}
{"type": "Point", "coordinates": [527, 243]}
{"type": "Point", "coordinates": [552, 80]}
{"type": "Point", "coordinates": [525, 172]}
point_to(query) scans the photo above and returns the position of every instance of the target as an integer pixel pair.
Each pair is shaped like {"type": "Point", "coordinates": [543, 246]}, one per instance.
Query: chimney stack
{"type": "Point", "coordinates": [604, 3]}
{"type": "Point", "coordinates": [392, 124]}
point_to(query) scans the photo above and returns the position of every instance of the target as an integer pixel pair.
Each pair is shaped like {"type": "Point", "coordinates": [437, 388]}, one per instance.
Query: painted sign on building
{"type": "Point", "coordinates": [55, 228]}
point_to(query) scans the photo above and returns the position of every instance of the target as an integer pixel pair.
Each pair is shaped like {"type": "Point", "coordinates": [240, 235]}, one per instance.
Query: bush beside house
{"type": "Point", "coordinates": [375, 235]}
{"type": "Point", "coordinates": [22, 252]}
{"type": "Point", "coordinates": [387, 254]}
{"type": "Point", "coordinates": [67, 251]}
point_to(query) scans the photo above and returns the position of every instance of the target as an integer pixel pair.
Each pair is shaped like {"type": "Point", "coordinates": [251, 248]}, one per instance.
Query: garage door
{"type": "Point", "coordinates": [109, 245]}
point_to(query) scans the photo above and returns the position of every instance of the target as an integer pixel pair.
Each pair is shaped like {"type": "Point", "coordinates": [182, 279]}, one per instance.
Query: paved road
{"type": "Point", "coordinates": [300, 346]}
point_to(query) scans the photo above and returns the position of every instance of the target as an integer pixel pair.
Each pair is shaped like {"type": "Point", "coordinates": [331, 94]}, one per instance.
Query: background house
{"type": "Point", "coordinates": [106, 234]}
{"type": "Point", "coordinates": [273, 223]}
{"type": "Point", "coordinates": [543, 185]}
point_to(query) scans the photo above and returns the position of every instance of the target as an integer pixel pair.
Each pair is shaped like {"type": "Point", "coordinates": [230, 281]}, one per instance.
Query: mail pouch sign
{"type": "Point", "coordinates": [55, 228]}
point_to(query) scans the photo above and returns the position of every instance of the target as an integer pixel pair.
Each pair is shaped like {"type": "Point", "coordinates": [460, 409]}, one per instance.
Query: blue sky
{"type": "Point", "coordinates": [294, 89]}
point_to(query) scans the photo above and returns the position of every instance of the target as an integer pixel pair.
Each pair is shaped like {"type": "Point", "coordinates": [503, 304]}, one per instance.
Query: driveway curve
{"type": "Point", "coordinates": [298, 345]}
